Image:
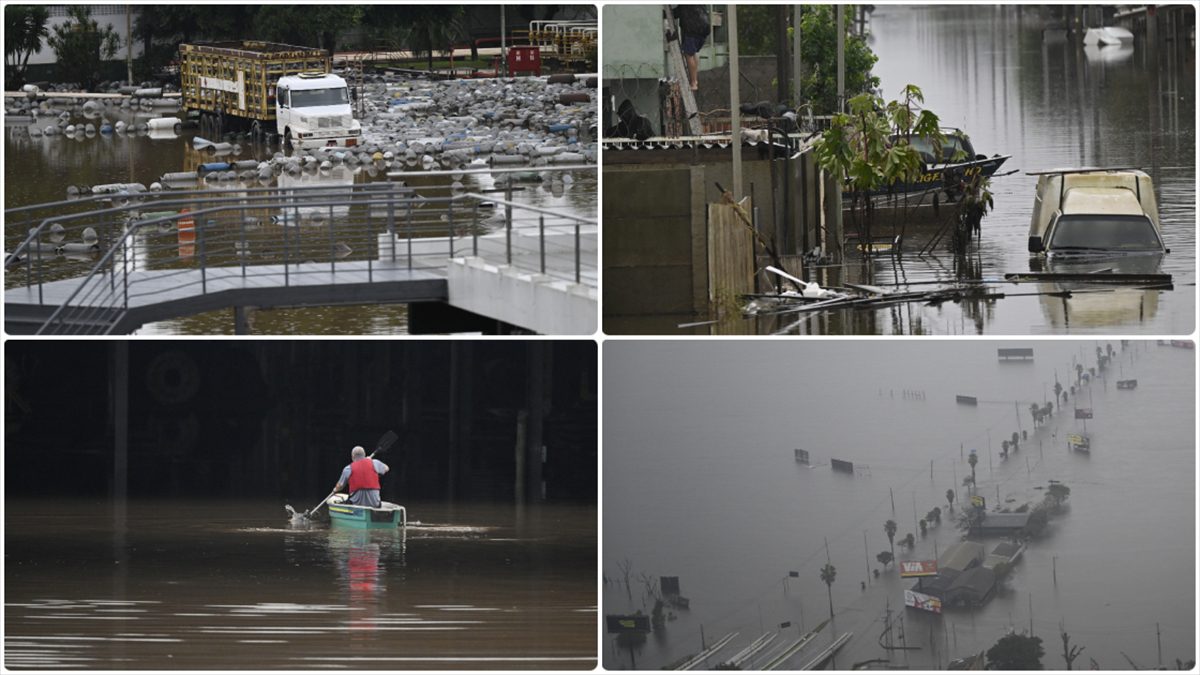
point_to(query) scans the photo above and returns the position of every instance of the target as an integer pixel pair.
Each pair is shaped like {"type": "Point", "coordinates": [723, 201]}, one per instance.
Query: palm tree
{"type": "Point", "coordinates": [828, 574]}
{"type": "Point", "coordinates": [884, 558]}
{"type": "Point", "coordinates": [890, 528]}
{"type": "Point", "coordinates": [1004, 448]}
{"type": "Point", "coordinates": [1035, 411]}
{"type": "Point", "coordinates": [910, 541]}
{"type": "Point", "coordinates": [950, 499]}
{"type": "Point", "coordinates": [24, 30]}
{"type": "Point", "coordinates": [1016, 441]}
{"type": "Point", "coordinates": [924, 527]}
{"type": "Point", "coordinates": [972, 459]}
{"type": "Point", "coordinates": [1057, 389]}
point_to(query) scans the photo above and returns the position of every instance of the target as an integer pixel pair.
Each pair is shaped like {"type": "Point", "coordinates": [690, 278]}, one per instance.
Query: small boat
{"type": "Point", "coordinates": [940, 172]}
{"type": "Point", "coordinates": [387, 516]}
{"type": "Point", "coordinates": [1080, 443]}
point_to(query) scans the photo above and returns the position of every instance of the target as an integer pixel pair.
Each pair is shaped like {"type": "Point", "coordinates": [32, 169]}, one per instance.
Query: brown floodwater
{"type": "Point", "coordinates": [230, 585]}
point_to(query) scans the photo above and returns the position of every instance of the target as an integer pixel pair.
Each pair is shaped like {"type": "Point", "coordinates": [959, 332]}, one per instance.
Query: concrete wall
{"type": "Point", "coordinates": [635, 56]}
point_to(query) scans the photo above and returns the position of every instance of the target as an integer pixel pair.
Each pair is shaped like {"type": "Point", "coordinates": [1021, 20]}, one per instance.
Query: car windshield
{"type": "Point", "coordinates": [953, 145]}
{"type": "Point", "coordinates": [1083, 233]}
{"type": "Point", "coordinates": [309, 98]}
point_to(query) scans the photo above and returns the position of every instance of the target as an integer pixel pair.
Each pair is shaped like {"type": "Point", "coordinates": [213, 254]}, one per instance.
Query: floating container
{"type": "Point", "coordinates": [172, 124]}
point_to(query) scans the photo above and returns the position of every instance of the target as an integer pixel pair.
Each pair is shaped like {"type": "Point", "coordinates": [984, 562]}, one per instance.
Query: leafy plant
{"type": "Point", "coordinates": [24, 30]}
{"type": "Point", "coordinates": [80, 44]}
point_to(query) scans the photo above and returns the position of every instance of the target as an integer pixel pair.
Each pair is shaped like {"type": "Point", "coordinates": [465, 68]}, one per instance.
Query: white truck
{"type": "Point", "coordinates": [270, 87]}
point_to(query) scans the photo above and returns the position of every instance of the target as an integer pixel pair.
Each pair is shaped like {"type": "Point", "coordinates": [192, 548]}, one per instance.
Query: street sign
{"type": "Point", "coordinates": [918, 568]}
{"type": "Point", "coordinates": [978, 501]}
{"type": "Point", "coordinates": [1083, 413]}
{"type": "Point", "coordinates": [627, 623]}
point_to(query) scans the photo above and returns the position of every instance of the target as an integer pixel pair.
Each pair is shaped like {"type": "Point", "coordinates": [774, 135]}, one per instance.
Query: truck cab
{"type": "Point", "coordinates": [312, 110]}
{"type": "Point", "coordinates": [1091, 212]}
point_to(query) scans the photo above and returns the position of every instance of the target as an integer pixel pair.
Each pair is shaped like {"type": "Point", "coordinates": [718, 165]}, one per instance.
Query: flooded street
{"type": "Point", "coordinates": [1048, 104]}
{"type": "Point", "coordinates": [200, 585]}
{"type": "Point", "coordinates": [700, 482]}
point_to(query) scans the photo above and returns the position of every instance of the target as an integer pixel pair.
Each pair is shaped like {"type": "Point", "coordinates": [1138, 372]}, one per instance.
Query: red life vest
{"type": "Point", "coordinates": [363, 475]}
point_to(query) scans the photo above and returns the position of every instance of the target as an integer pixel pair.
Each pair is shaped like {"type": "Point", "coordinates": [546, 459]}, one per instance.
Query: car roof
{"type": "Point", "coordinates": [1107, 201]}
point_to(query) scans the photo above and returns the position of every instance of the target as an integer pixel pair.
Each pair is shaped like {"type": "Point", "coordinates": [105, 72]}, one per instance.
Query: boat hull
{"type": "Point", "coordinates": [934, 178]}
{"type": "Point", "coordinates": [344, 515]}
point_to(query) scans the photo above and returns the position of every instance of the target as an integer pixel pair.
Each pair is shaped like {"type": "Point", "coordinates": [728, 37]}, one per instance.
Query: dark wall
{"type": "Point", "coordinates": [278, 418]}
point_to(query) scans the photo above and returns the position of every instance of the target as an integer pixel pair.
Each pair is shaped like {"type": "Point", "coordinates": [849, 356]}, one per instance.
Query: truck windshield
{"type": "Point", "coordinates": [1084, 233]}
{"type": "Point", "coordinates": [309, 98]}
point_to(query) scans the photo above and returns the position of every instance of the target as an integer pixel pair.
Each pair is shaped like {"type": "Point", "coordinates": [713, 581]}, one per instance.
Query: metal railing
{"type": "Point", "coordinates": [176, 242]}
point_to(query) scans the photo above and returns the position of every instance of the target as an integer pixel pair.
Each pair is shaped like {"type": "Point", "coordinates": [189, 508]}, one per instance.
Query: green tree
{"type": "Point", "coordinates": [24, 30]}
{"type": "Point", "coordinates": [1035, 411]}
{"type": "Point", "coordinates": [924, 527]}
{"type": "Point", "coordinates": [425, 30]}
{"type": "Point", "coordinates": [828, 574]}
{"type": "Point", "coordinates": [306, 25]}
{"type": "Point", "coordinates": [910, 541]}
{"type": "Point", "coordinates": [889, 528]}
{"type": "Point", "coordinates": [1016, 441]}
{"type": "Point", "coordinates": [818, 50]}
{"type": "Point", "coordinates": [1057, 493]}
{"type": "Point", "coordinates": [972, 460]}
{"type": "Point", "coordinates": [1016, 652]}
{"type": "Point", "coordinates": [950, 498]}
{"type": "Point", "coordinates": [80, 44]}
{"type": "Point", "coordinates": [934, 515]}
{"type": "Point", "coordinates": [1058, 388]}
{"type": "Point", "coordinates": [885, 558]}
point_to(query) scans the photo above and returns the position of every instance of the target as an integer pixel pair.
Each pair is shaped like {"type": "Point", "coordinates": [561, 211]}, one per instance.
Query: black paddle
{"type": "Point", "coordinates": [386, 441]}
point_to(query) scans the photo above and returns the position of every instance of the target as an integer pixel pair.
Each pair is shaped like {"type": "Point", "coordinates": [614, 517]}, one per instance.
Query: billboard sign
{"type": "Point", "coordinates": [918, 568]}
{"type": "Point", "coordinates": [921, 601]}
{"type": "Point", "coordinates": [843, 466]}
{"type": "Point", "coordinates": [801, 456]}
{"type": "Point", "coordinates": [630, 623]}
{"type": "Point", "coordinates": [1083, 413]}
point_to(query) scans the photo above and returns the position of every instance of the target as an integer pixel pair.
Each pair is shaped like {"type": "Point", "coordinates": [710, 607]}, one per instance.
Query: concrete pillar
{"type": "Point", "coordinates": [243, 323]}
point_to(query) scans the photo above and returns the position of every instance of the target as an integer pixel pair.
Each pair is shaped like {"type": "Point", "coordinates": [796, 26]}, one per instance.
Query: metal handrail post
{"type": "Point", "coordinates": [332, 252]}
{"type": "Point", "coordinates": [409, 229]}
{"type": "Point", "coordinates": [508, 221]}
{"type": "Point", "coordinates": [125, 276]}
{"type": "Point", "coordinates": [450, 226]}
{"type": "Point", "coordinates": [542, 240]}
{"type": "Point", "coordinates": [475, 230]}
{"type": "Point", "coordinates": [203, 259]}
{"type": "Point", "coordinates": [577, 251]}
{"type": "Point", "coordinates": [41, 286]}
{"type": "Point", "coordinates": [392, 223]}
{"type": "Point", "coordinates": [245, 244]}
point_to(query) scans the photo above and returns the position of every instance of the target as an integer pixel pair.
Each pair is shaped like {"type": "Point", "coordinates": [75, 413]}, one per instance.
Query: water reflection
{"type": "Point", "coordinates": [362, 559]}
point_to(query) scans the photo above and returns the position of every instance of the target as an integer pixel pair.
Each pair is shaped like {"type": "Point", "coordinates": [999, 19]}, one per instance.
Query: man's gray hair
{"type": "Point", "coordinates": [358, 452]}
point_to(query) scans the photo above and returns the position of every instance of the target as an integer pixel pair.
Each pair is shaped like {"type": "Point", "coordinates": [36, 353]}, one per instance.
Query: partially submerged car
{"type": "Point", "coordinates": [1095, 212]}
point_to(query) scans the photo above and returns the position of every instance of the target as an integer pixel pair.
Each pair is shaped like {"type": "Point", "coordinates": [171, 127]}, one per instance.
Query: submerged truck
{"type": "Point", "coordinates": [270, 87]}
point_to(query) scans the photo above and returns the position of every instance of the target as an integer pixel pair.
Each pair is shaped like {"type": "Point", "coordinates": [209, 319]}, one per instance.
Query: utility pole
{"type": "Point", "coordinates": [796, 60]}
{"type": "Point", "coordinates": [1031, 614]}
{"type": "Point", "coordinates": [916, 520]}
{"type": "Point", "coordinates": [841, 57]}
{"type": "Point", "coordinates": [893, 496]}
{"type": "Point", "coordinates": [129, 44]}
{"type": "Point", "coordinates": [931, 471]}
{"type": "Point", "coordinates": [1158, 635]}
{"type": "Point", "coordinates": [735, 97]}
{"type": "Point", "coordinates": [867, 557]}
{"type": "Point", "coordinates": [1054, 569]}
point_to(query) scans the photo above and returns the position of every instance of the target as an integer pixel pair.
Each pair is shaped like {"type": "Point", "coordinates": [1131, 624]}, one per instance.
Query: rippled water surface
{"type": "Point", "coordinates": [204, 586]}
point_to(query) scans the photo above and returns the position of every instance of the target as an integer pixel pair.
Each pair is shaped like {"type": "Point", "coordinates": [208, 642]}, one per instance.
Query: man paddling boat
{"type": "Point", "coordinates": [361, 475]}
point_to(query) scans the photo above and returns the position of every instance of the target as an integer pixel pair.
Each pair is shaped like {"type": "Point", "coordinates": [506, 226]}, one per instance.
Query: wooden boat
{"type": "Point", "coordinates": [387, 516]}
{"type": "Point", "coordinates": [937, 175]}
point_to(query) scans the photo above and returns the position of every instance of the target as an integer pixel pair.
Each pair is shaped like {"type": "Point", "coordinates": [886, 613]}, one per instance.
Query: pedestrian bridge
{"type": "Point", "coordinates": [109, 264]}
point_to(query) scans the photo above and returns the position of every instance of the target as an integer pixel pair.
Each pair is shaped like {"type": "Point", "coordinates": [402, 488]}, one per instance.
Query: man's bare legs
{"type": "Point", "coordinates": [693, 63]}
